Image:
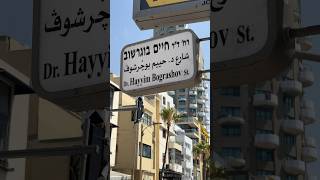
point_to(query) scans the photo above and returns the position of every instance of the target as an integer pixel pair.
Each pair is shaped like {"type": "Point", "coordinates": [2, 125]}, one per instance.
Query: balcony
{"type": "Point", "coordinates": [306, 76]}
{"type": "Point", "coordinates": [310, 142]}
{"type": "Point", "coordinates": [294, 167]}
{"type": "Point", "coordinates": [230, 120]}
{"type": "Point", "coordinates": [293, 127]}
{"type": "Point", "coordinates": [305, 44]}
{"type": "Point", "coordinates": [267, 141]}
{"type": "Point", "coordinates": [175, 167]}
{"type": "Point", "coordinates": [192, 133]}
{"type": "Point", "coordinates": [309, 154]}
{"type": "Point", "coordinates": [182, 99]}
{"type": "Point", "coordinates": [171, 93]}
{"type": "Point", "coordinates": [268, 177]}
{"type": "Point", "coordinates": [201, 89]}
{"type": "Point", "coordinates": [291, 87]}
{"type": "Point", "coordinates": [236, 162]}
{"type": "Point", "coordinates": [182, 113]}
{"type": "Point", "coordinates": [267, 99]}
{"type": "Point", "coordinates": [201, 101]}
{"type": "Point", "coordinates": [308, 115]}
{"type": "Point", "coordinates": [192, 93]}
{"type": "Point", "coordinates": [202, 114]}
{"type": "Point", "coordinates": [193, 106]}
{"type": "Point", "coordinates": [190, 121]}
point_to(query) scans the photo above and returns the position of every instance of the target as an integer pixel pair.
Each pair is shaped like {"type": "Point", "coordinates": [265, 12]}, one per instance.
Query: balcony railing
{"type": "Point", "coordinates": [291, 87]}
{"type": "Point", "coordinates": [306, 76]}
{"type": "Point", "coordinates": [309, 154]}
{"type": "Point", "coordinates": [294, 167]}
{"type": "Point", "coordinates": [266, 99]}
{"type": "Point", "coordinates": [230, 119]}
{"type": "Point", "coordinates": [293, 127]}
{"type": "Point", "coordinates": [267, 141]}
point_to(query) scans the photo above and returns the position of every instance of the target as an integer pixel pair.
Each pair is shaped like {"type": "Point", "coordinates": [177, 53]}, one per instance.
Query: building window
{"type": "Point", "coordinates": [163, 156]}
{"type": "Point", "coordinates": [231, 152]}
{"type": "Point", "coordinates": [264, 173]}
{"type": "Point", "coordinates": [146, 150]}
{"type": "Point", "coordinates": [231, 130]}
{"type": "Point", "coordinates": [288, 177]}
{"type": "Point", "coordinates": [182, 90]}
{"type": "Point", "coordinates": [264, 155]}
{"type": "Point", "coordinates": [230, 91]}
{"type": "Point", "coordinates": [111, 99]}
{"type": "Point", "coordinates": [164, 100]}
{"type": "Point", "coordinates": [263, 114]}
{"type": "Point", "coordinates": [239, 177]}
{"type": "Point", "coordinates": [147, 119]}
{"type": "Point", "coordinates": [164, 133]}
{"type": "Point", "coordinates": [230, 111]}
{"type": "Point", "coordinates": [200, 93]}
{"type": "Point", "coordinates": [263, 131]}
{"type": "Point", "coordinates": [175, 156]}
{"type": "Point", "coordinates": [193, 112]}
{"type": "Point", "coordinates": [288, 139]}
{"type": "Point", "coordinates": [289, 102]}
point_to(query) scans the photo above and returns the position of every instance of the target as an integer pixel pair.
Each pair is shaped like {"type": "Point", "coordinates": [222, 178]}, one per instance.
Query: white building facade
{"type": "Point", "coordinates": [186, 142]}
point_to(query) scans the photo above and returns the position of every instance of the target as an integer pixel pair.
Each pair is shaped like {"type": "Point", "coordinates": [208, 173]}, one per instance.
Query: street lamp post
{"type": "Point", "coordinates": [141, 145]}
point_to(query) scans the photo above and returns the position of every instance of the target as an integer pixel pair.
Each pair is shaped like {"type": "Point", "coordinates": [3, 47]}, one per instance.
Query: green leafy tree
{"type": "Point", "coordinates": [202, 150]}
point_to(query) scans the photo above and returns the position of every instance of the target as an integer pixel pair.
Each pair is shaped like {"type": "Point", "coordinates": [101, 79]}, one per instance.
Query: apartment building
{"type": "Point", "coordinates": [133, 137]}
{"type": "Point", "coordinates": [173, 169]}
{"type": "Point", "coordinates": [260, 129]}
{"type": "Point", "coordinates": [187, 154]}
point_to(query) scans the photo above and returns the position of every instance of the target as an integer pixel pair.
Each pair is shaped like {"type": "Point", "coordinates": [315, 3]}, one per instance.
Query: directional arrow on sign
{"type": "Point", "coordinates": [156, 3]}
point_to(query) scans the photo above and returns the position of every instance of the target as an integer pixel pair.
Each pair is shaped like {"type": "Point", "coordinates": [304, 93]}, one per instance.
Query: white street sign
{"type": "Point", "coordinates": [71, 47]}
{"type": "Point", "coordinates": [240, 29]}
{"type": "Point", "coordinates": [160, 64]}
{"type": "Point", "coordinates": [247, 41]}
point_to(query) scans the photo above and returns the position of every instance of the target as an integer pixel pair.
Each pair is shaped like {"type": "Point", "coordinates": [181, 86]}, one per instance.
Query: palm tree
{"type": "Point", "coordinates": [202, 150]}
{"type": "Point", "coordinates": [170, 116]}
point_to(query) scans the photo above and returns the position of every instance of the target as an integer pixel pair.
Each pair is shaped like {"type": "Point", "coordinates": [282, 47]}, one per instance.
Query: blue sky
{"type": "Point", "coordinates": [124, 31]}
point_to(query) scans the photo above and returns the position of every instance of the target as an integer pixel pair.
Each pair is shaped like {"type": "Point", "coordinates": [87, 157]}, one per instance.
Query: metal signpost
{"type": "Point", "coordinates": [247, 37]}
{"type": "Point", "coordinates": [160, 64]}
{"type": "Point", "coordinates": [71, 52]}
{"type": "Point", "coordinates": [150, 14]}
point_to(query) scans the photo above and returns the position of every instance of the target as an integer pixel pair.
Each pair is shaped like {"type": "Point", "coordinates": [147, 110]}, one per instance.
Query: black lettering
{"type": "Point", "coordinates": [47, 71]}
{"type": "Point", "coordinates": [72, 63]}
{"type": "Point", "coordinates": [249, 37]}
{"type": "Point", "coordinates": [83, 64]}
{"type": "Point", "coordinates": [215, 36]}
{"type": "Point", "coordinates": [242, 36]}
